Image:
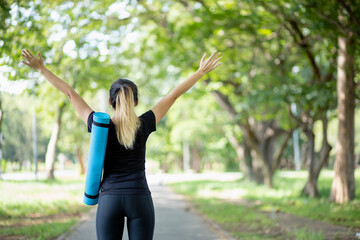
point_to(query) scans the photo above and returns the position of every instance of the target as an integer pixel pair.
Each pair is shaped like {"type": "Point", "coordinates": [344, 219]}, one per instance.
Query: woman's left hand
{"type": "Point", "coordinates": [32, 61]}
{"type": "Point", "coordinates": [209, 64]}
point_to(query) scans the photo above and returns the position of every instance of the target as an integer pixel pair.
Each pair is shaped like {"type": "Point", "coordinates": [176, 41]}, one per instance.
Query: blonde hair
{"type": "Point", "coordinates": [126, 121]}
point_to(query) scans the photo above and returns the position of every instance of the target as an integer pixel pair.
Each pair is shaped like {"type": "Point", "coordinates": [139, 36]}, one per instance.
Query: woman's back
{"type": "Point", "coordinates": [124, 169]}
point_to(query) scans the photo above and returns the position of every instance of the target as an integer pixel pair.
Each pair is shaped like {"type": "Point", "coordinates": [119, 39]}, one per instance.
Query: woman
{"type": "Point", "coordinates": [124, 190]}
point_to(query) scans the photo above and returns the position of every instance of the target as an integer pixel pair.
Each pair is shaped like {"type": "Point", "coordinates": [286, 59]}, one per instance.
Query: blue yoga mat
{"type": "Point", "coordinates": [98, 141]}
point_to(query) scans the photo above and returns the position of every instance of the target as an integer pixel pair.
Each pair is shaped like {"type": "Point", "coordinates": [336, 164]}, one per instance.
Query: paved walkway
{"type": "Point", "coordinates": [175, 219]}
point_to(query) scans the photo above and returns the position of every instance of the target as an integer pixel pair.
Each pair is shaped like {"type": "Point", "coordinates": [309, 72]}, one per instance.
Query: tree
{"type": "Point", "coordinates": [343, 186]}
{"type": "Point", "coordinates": [186, 36]}
{"type": "Point", "coordinates": [313, 92]}
{"type": "Point", "coordinates": [341, 21]}
{"type": "Point", "coordinates": [61, 52]}
{"type": "Point", "coordinates": [51, 148]}
{"type": "Point", "coordinates": [17, 128]}
{"type": "Point", "coordinates": [275, 54]}
{"type": "Point", "coordinates": [6, 31]}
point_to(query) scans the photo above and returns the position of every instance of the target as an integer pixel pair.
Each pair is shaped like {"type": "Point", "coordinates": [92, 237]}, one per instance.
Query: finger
{"type": "Point", "coordinates": [216, 60]}
{"type": "Point", "coordinates": [26, 56]}
{"type": "Point", "coordinates": [24, 53]}
{"type": "Point", "coordinates": [39, 54]}
{"type": "Point", "coordinates": [30, 55]}
{"type": "Point", "coordinates": [212, 55]}
{"type": "Point", "coordinates": [26, 63]}
{"type": "Point", "coordinates": [203, 57]}
{"type": "Point", "coordinates": [217, 65]}
{"type": "Point", "coordinates": [216, 57]}
{"type": "Point", "coordinates": [28, 51]}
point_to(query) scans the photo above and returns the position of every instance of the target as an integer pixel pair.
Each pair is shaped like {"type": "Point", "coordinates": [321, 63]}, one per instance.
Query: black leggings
{"type": "Point", "coordinates": [112, 209]}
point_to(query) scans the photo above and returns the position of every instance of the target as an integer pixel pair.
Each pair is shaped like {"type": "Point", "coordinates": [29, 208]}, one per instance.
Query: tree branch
{"type": "Point", "coordinates": [279, 153]}
{"type": "Point", "coordinates": [224, 102]}
{"type": "Point", "coordinates": [251, 137]}
{"type": "Point", "coordinates": [329, 74]}
{"type": "Point", "coordinates": [350, 12]}
{"type": "Point", "coordinates": [325, 148]}
{"type": "Point", "coordinates": [297, 120]}
{"type": "Point", "coordinates": [304, 44]}
{"type": "Point", "coordinates": [234, 84]}
{"type": "Point", "coordinates": [342, 28]}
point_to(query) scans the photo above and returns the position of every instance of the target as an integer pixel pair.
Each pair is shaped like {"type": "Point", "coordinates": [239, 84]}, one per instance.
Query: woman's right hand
{"type": "Point", "coordinates": [209, 64]}
{"type": "Point", "coordinates": [32, 61]}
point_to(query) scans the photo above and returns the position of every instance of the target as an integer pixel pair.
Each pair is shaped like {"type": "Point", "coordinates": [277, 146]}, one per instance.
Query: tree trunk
{"type": "Point", "coordinates": [266, 171]}
{"type": "Point", "coordinates": [325, 149]}
{"type": "Point", "coordinates": [304, 154]}
{"type": "Point", "coordinates": [186, 156]}
{"type": "Point", "coordinates": [248, 160]}
{"type": "Point", "coordinates": [1, 118]}
{"type": "Point", "coordinates": [195, 157]}
{"type": "Point", "coordinates": [262, 151]}
{"type": "Point", "coordinates": [343, 185]}
{"type": "Point", "coordinates": [80, 158]}
{"type": "Point", "coordinates": [316, 164]}
{"type": "Point", "coordinates": [311, 188]}
{"type": "Point", "coordinates": [51, 148]}
{"type": "Point", "coordinates": [20, 158]}
{"type": "Point", "coordinates": [257, 168]}
{"type": "Point", "coordinates": [260, 137]}
{"type": "Point", "coordinates": [243, 154]}
{"type": "Point", "coordinates": [278, 155]}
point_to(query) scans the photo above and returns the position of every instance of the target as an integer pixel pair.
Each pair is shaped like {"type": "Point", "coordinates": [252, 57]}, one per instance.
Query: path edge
{"type": "Point", "coordinates": [85, 218]}
{"type": "Point", "coordinates": [222, 233]}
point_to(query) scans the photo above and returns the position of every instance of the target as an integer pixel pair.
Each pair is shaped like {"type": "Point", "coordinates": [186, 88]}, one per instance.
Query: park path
{"type": "Point", "coordinates": [174, 219]}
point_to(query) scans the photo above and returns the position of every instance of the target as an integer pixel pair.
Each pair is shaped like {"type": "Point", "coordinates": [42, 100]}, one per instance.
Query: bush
{"type": "Point", "coordinates": [3, 165]}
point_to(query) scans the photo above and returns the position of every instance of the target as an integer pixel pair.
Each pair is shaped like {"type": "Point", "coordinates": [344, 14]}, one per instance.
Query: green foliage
{"type": "Point", "coordinates": [20, 17]}
{"type": "Point", "coordinates": [3, 165]}
{"type": "Point", "coordinates": [17, 129]}
{"type": "Point", "coordinates": [90, 44]}
{"type": "Point", "coordinates": [195, 118]}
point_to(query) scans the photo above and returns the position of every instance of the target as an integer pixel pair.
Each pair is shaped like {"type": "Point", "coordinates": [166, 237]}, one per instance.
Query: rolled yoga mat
{"type": "Point", "coordinates": [98, 141]}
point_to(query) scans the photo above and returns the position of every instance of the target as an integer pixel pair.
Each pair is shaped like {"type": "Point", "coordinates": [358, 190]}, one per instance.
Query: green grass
{"type": "Point", "coordinates": [237, 219]}
{"type": "Point", "coordinates": [40, 231]}
{"type": "Point", "coordinates": [285, 197]}
{"type": "Point", "coordinates": [303, 234]}
{"type": "Point", "coordinates": [40, 209]}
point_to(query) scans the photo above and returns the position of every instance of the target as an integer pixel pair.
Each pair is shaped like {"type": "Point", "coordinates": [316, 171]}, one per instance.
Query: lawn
{"type": "Point", "coordinates": [40, 209]}
{"type": "Point", "coordinates": [241, 204]}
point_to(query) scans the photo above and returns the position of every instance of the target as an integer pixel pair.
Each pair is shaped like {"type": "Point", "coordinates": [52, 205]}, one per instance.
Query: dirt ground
{"type": "Point", "coordinates": [288, 223]}
{"type": "Point", "coordinates": [285, 226]}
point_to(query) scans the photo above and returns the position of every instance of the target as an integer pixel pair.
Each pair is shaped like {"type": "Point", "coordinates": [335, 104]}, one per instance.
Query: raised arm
{"type": "Point", "coordinates": [206, 66]}
{"type": "Point", "coordinates": [81, 107]}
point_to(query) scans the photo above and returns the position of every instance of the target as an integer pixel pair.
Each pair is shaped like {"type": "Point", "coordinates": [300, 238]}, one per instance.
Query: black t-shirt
{"type": "Point", "coordinates": [124, 170]}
